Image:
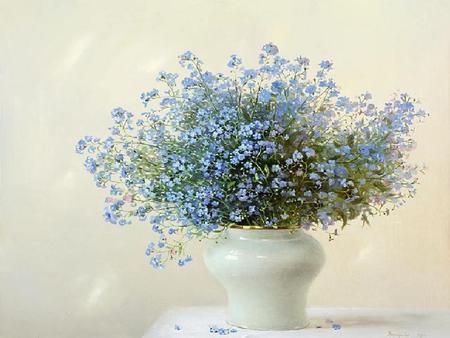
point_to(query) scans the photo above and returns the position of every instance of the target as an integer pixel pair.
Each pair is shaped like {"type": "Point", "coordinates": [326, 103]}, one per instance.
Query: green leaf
{"type": "Point", "coordinates": [231, 184]}
{"type": "Point", "coordinates": [380, 186]}
{"type": "Point", "coordinates": [351, 140]}
{"type": "Point", "coordinates": [343, 217]}
{"type": "Point", "coordinates": [365, 219]}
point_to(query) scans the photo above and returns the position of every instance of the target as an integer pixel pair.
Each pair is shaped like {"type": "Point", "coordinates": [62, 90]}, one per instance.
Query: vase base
{"type": "Point", "coordinates": [268, 327]}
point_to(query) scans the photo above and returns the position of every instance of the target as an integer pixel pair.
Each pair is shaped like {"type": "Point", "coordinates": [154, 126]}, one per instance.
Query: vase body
{"type": "Point", "coordinates": [266, 274]}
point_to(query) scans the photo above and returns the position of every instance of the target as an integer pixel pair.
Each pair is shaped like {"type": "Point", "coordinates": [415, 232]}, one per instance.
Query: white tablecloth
{"type": "Point", "coordinates": [195, 322]}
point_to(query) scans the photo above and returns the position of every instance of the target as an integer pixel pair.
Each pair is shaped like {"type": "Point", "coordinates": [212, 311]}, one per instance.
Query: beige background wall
{"type": "Point", "coordinates": [65, 64]}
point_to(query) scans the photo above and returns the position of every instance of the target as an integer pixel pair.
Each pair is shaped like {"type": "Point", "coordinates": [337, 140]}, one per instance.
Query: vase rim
{"type": "Point", "coordinates": [264, 234]}
{"type": "Point", "coordinates": [260, 228]}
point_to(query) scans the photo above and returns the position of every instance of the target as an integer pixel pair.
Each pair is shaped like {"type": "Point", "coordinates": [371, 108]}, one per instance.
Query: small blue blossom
{"type": "Point", "coordinates": [118, 114]}
{"type": "Point", "coordinates": [365, 149]}
{"type": "Point", "coordinates": [147, 96]}
{"type": "Point", "coordinates": [297, 156]}
{"type": "Point", "coordinates": [276, 168]}
{"type": "Point", "coordinates": [270, 49]}
{"type": "Point", "coordinates": [265, 96]}
{"type": "Point", "coordinates": [81, 145]}
{"type": "Point", "coordinates": [221, 330]}
{"type": "Point", "coordinates": [109, 215]}
{"type": "Point", "coordinates": [167, 77]}
{"type": "Point", "coordinates": [184, 261]}
{"type": "Point", "coordinates": [155, 262]}
{"type": "Point", "coordinates": [345, 150]}
{"type": "Point", "coordinates": [115, 191]}
{"type": "Point", "coordinates": [91, 165]}
{"type": "Point", "coordinates": [187, 56]}
{"type": "Point", "coordinates": [314, 176]}
{"type": "Point", "coordinates": [234, 61]}
{"type": "Point", "coordinates": [323, 195]}
{"type": "Point", "coordinates": [340, 171]}
{"type": "Point", "coordinates": [108, 143]}
{"type": "Point", "coordinates": [311, 89]}
{"type": "Point", "coordinates": [188, 82]}
{"type": "Point", "coordinates": [302, 61]}
{"type": "Point", "coordinates": [277, 86]}
{"type": "Point", "coordinates": [309, 152]}
{"type": "Point", "coordinates": [325, 64]}
{"type": "Point", "coordinates": [250, 73]}
{"type": "Point", "coordinates": [150, 248]}
{"type": "Point", "coordinates": [336, 326]}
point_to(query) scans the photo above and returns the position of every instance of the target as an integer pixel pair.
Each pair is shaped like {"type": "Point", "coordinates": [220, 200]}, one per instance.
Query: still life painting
{"type": "Point", "coordinates": [205, 168]}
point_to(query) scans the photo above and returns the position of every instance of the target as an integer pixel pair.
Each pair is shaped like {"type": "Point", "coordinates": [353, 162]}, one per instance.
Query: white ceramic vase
{"type": "Point", "coordinates": [267, 274]}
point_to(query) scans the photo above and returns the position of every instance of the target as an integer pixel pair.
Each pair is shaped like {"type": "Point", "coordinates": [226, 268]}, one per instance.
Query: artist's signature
{"type": "Point", "coordinates": [403, 334]}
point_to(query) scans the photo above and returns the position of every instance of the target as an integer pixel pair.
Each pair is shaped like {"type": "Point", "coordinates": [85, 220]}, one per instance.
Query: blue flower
{"type": "Point", "coordinates": [188, 82]}
{"type": "Point", "coordinates": [265, 96]}
{"type": "Point", "coordinates": [109, 143]}
{"type": "Point", "coordinates": [91, 165]}
{"type": "Point", "coordinates": [167, 77]}
{"type": "Point", "coordinates": [302, 61]}
{"type": "Point", "coordinates": [118, 114]}
{"type": "Point", "coordinates": [325, 64]}
{"type": "Point", "coordinates": [81, 145]}
{"type": "Point", "coordinates": [221, 330]}
{"type": "Point", "coordinates": [150, 248]}
{"type": "Point", "coordinates": [270, 49]}
{"type": "Point", "coordinates": [297, 156]}
{"type": "Point", "coordinates": [323, 195]}
{"type": "Point", "coordinates": [345, 150]}
{"type": "Point", "coordinates": [234, 61]}
{"type": "Point", "coordinates": [184, 261]}
{"type": "Point", "coordinates": [277, 86]}
{"type": "Point", "coordinates": [311, 89]}
{"type": "Point", "coordinates": [314, 176]}
{"type": "Point", "coordinates": [308, 152]}
{"type": "Point", "coordinates": [336, 327]}
{"type": "Point", "coordinates": [187, 56]}
{"type": "Point", "coordinates": [114, 190]}
{"type": "Point", "coordinates": [276, 168]}
{"type": "Point", "coordinates": [340, 171]}
{"type": "Point", "coordinates": [406, 106]}
{"type": "Point", "coordinates": [250, 73]}
{"type": "Point", "coordinates": [155, 262]}
{"type": "Point", "coordinates": [365, 149]}
{"type": "Point", "coordinates": [147, 96]}
{"type": "Point", "coordinates": [110, 217]}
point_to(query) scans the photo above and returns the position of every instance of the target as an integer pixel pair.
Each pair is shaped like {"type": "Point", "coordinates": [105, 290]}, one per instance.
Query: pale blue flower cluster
{"type": "Point", "coordinates": [222, 331]}
{"type": "Point", "coordinates": [276, 146]}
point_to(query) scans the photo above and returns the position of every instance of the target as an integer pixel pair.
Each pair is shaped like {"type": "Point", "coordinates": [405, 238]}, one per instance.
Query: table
{"type": "Point", "coordinates": [195, 322]}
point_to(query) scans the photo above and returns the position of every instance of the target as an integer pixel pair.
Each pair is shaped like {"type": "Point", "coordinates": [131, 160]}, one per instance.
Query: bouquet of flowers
{"type": "Point", "coordinates": [277, 146]}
